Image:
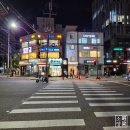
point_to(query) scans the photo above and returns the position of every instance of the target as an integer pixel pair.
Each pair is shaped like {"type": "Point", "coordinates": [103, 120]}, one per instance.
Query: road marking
{"type": "Point", "coordinates": [114, 128]}
{"type": "Point", "coordinates": [49, 102]}
{"type": "Point", "coordinates": [91, 87]}
{"type": "Point", "coordinates": [119, 83]}
{"type": "Point", "coordinates": [98, 91]}
{"type": "Point", "coordinates": [109, 104]}
{"type": "Point", "coordinates": [115, 98]}
{"type": "Point", "coordinates": [36, 110]}
{"type": "Point", "coordinates": [108, 94]}
{"type": "Point", "coordinates": [110, 114]}
{"type": "Point", "coordinates": [94, 89]}
{"type": "Point", "coordinates": [41, 123]}
{"type": "Point", "coordinates": [57, 90]}
{"type": "Point", "coordinates": [53, 97]}
{"type": "Point", "coordinates": [55, 93]}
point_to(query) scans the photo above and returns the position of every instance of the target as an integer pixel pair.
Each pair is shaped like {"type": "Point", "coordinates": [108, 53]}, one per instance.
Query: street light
{"type": "Point", "coordinates": [15, 26]}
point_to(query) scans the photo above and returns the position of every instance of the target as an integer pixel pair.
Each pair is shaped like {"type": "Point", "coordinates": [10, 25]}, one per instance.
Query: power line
{"type": "Point", "coordinates": [17, 14]}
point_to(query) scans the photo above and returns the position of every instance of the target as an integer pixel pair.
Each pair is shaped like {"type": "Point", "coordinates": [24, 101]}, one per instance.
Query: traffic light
{"type": "Point", "coordinates": [95, 62]}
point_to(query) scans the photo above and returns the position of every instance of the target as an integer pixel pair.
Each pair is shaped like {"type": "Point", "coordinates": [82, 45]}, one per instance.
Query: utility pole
{"type": "Point", "coordinates": [50, 11]}
{"type": "Point", "coordinates": [48, 34]}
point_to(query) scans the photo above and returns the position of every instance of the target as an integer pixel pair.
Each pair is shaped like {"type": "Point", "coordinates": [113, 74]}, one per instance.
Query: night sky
{"type": "Point", "coordinates": [68, 12]}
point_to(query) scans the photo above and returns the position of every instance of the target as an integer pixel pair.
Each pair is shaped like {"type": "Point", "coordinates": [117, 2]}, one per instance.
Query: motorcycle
{"type": "Point", "coordinates": [45, 79]}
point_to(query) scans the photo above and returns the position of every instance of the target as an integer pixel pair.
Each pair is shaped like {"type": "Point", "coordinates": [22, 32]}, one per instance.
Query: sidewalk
{"type": "Point", "coordinates": [91, 78]}
{"type": "Point", "coordinates": [111, 78]}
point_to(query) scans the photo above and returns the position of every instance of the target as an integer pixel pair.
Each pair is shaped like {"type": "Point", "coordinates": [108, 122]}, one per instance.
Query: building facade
{"type": "Point", "coordinates": [112, 17]}
{"type": "Point", "coordinates": [34, 50]}
{"type": "Point", "coordinates": [83, 49]}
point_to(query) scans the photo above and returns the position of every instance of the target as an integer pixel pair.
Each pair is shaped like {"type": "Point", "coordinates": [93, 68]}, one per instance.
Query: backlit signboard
{"type": "Point", "coordinates": [27, 50]}
{"type": "Point", "coordinates": [30, 43]}
{"type": "Point", "coordinates": [50, 49]}
{"type": "Point", "coordinates": [50, 55]}
{"type": "Point", "coordinates": [55, 61]}
{"type": "Point", "coordinates": [118, 49]}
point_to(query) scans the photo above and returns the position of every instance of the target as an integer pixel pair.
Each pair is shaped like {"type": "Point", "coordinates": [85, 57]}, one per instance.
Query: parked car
{"type": "Point", "coordinates": [128, 77]}
{"type": "Point", "coordinates": [124, 76]}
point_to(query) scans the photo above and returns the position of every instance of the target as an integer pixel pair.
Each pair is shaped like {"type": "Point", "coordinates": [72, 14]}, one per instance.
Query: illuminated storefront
{"type": "Point", "coordinates": [33, 53]}
{"type": "Point", "coordinates": [55, 67]}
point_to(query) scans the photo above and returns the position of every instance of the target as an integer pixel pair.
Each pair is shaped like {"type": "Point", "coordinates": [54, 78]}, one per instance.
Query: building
{"type": "Point", "coordinates": [84, 51]}
{"type": "Point", "coordinates": [45, 24]}
{"type": "Point", "coordinates": [34, 50]}
{"type": "Point", "coordinates": [112, 17]}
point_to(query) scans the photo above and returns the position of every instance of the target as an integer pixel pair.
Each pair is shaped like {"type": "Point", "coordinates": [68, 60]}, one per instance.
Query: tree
{"type": "Point", "coordinates": [15, 60]}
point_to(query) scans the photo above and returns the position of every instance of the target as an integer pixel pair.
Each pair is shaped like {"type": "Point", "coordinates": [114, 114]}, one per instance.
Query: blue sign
{"type": "Point", "coordinates": [50, 49]}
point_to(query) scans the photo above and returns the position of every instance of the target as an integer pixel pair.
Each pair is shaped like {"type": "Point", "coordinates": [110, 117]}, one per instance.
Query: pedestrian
{"type": "Point", "coordinates": [73, 72]}
{"type": "Point", "coordinates": [79, 76]}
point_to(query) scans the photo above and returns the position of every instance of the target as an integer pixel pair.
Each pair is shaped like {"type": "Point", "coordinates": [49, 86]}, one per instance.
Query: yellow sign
{"type": "Point", "coordinates": [50, 55]}
{"type": "Point", "coordinates": [32, 55]}
{"type": "Point", "coordinates": [24, 56]}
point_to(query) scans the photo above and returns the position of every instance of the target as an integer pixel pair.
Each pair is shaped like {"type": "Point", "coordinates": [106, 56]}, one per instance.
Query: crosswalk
{"type": "Point", "coordinates": [57, 105]}
{"type": "Point", "coordinates": [98, 97]}
{"type": "Point", "coordinates": [45, 105]}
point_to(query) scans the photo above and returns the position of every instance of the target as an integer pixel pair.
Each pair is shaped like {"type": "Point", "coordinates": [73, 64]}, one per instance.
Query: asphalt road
{"type": "Point", "coordinates": [14, 91]}
{"type": "Point", "coordinates": [63, 105]}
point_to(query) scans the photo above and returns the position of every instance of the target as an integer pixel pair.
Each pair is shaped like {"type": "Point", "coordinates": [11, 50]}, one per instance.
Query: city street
{"type": "Point", "coordinates": [85, 104]}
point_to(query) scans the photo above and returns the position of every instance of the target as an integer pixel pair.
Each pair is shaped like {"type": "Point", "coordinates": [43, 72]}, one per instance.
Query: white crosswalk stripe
{"type": "Point", "coordinates": [68, 93]}
{"type": "Point", "coordinates": [50, 102]}
{"type": "Point", "coordinates": [47, 97]}
{"type": "Point", "coordinates": [109, 98]}
{"type": "Point", "coordinates": [114, 128]}
{"type": "Point", "coordinates": [41, 123]}
{"type": "Point", "coordinates": [57, 90]}
{"type": "Point", "coordinates": [111, 114]}
{"type": "Point", "coordinates": [109, 104]}
{"type": "Point", "coordinates": [107, 94]}
{"type": "Point", "coordinates": [98, 91]}
{"type": "Point", "coordinates": [37, 110]}
{"type": "Point", "coordinates": [94, 89]}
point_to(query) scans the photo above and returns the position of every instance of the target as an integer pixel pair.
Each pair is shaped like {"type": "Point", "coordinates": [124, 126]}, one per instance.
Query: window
{"type": "Point", "coordinates": [83, 40]}
{"type": "Point", "coordinates": [93, 40]}
{"type": "Point", "coordinates": [94, 54]}
{"type": "Point", "coordinates": [98, 40]}
{"type": "Point", "coordinates": [53, 43]}
{"type": "Point", "coordinates": [84, 54]}
{"type": "Point", "coordinates": [71, 59]}
{"type": "Point", "coordinates": [72, 47]}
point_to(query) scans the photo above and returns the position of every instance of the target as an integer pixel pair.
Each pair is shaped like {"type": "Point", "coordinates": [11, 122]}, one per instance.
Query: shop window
{"type": "Point", "coordinates": [94, 54]}
{"type": "Point", "coordinates": [72, 47]}
{"type": "Point", "coordinates": [53, 43]}
{"type": "Point", "coordinates": [84, 54]}
{"type": "Point", "coordinates": [71, 59]}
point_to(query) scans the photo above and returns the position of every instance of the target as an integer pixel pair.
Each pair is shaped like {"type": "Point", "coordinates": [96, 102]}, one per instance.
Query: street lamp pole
{"type": "Point", "coordinates": [8, 52]}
